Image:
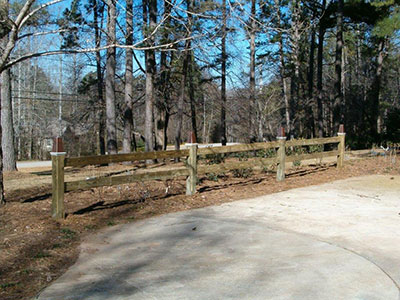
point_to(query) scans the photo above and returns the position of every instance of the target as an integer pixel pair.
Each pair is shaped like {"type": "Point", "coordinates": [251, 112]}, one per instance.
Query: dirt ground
{"type": "Point", "coordinates": [35, 249]}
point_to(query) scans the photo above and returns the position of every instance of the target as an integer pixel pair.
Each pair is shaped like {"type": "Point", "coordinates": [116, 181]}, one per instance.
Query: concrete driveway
{"type": "Point", "coordinates": [334, 241]}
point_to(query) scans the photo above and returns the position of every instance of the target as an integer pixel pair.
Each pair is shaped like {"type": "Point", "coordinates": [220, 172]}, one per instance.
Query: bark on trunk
{"type": "Point", "coordinates": [295, 36]}
{"type": "Point", "coordinates": [310, 107]}
{"type": "Point", "coordinates": [252, 100]}
{"type": "Point", "coordinates": [110, 80]}
{"type": "Point", "coordinates": [9, 163]}
{"type": "Point", "coordinates": [192, 95]}
{"type": "Point", "coordinates": [338, 102]}
{"type": "Point", "coordinates": [181, 100]}
{"type": "Point", "coordinates": [376, 91]}
{"type": "Point", "coordinates": [149, 13]}
{"type": "Point", "coordinates": [128, 117]}
{"type": "Point", "coordinates": [223, 76]}
{"type": "Point", "coordinates": [163, 102]}
{"type": "Point", "coordinates": [282, 68]}
{"type": "Point", "coordinates": [2, 199]}
{"type": "Point", "coordinates": [101, 121]}
{"type": "Point", "coordinates": [321, 35]}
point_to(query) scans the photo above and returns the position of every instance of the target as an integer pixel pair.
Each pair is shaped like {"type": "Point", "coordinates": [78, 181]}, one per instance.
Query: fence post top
{"type": "Point", "coordinates": [341, 133]}
{"type": "Point", "coordinates": [341, 128]}
{"type": "Point", "coordinates": [58, 145]}
{"type": "Point", "coordinates": [281, 132]}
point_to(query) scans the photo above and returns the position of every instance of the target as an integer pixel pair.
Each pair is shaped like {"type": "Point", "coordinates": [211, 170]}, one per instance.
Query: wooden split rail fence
{"type": "Point", "coordinates": [191, 168]}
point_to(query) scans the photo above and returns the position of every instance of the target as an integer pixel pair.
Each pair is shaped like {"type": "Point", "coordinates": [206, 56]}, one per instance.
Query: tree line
{"type": "Point", "coordinates": [119, 75]}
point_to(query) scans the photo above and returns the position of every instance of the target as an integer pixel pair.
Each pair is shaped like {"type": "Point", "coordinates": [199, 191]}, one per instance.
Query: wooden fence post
{"type": "Point", "coordinates": [58, 162]}
{"type": "Point", "coordinates": [281, 155]}
{"type": "Point", "coordinates": [192, 167]}
{"type": "Point", "coordinates": [341, 147]}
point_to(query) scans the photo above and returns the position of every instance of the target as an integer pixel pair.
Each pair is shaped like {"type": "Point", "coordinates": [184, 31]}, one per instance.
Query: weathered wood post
{"type": "Point", "coordinates": [58, 160]}
{"type": "Point", "coordinates": [281, 155]}
{"type": "Point", "coordinates": [191, 181]}
{"type": "Point", "coordinates": [341, 147]}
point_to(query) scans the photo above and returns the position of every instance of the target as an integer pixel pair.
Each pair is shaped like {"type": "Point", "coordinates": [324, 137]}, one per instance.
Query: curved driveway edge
{"type": "Point", "coordinates": [333, 241]}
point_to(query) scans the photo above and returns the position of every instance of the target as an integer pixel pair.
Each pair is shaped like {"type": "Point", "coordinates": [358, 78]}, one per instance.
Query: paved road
{"type": "Point", "coordinates": [333, 241]}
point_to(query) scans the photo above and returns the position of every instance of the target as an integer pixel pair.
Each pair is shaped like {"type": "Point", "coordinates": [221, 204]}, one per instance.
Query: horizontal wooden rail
{"type": "Point", "coordinates": [258, 162]}
{"type": "Point", "coordinates": [115, 180]}
{"type": "Point", "coordinates": [191, 169]}
{"type": "Point", "coordinates": [319, 141]}
{"type": "Point", "coordinates": [314, 155]}
{"type": "Point", "coordinates": [115, 158]}
{"type": "Point", "coordinates": [237, 148]}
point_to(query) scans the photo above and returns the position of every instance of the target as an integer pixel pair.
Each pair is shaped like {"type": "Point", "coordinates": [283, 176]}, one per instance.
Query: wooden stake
{"type": "Point", "coordinates": [57, 208]}
{"type": "Point", "coordinates": [281, 158]}
{"type": "Point", "coordinates": [192, 167]}
{"type": "Point", "coordinates": [341, 149]}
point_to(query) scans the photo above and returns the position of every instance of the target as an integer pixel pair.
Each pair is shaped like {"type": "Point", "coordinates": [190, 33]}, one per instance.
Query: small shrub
{"type": "Point", "coordinates": [315, 148]}
{"type": "Point", "coordinates": [267, 169]}
{"type": "Point", "coordinates": [296, 150]}
{"type": "Point", "coordinates": [8, 285]}
{"type": "Point", "coordinates": [243, 156]}
{"type": "Point", "coordinates": [242, 173]}
{"type": "Point", "coordinates": [41, 255]}
{"type": "Point", "coordinates": [212, 176]}
{"type": "Point", "coordinates": [68, 233]}
{"type": "Point", "coordinates": [55, 246]}
{"type": "Point", "coordinates": [215, 176]}
{"type": "Point", "coordinates": [297, 163]}
{"type": "Point", "coordinates": [214, 159]}
{"type": "Point", "coordinates": [266, 153]}
{"type": "Point", "coordinates": [110, 223]}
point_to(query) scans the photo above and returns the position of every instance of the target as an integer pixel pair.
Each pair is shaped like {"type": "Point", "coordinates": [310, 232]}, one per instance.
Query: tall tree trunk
{"type": "Point", "coordinates": [181, 100]}
{"type": "Point", "coordinates": [310, 75]}
{"type": "Point", "coordinates": [128, 116]}
{"type": "Point", "coordinates": [376, 91]}
{"type": "Point", "coordinates": [101, 124]}
{"type": "Point", "coordinates": [112, 147]}
{"type": "Point", "coordinates": [282, 69]}
{"type": "Point", "coordinates": [149, 14]}
{"type": "Point", "coordinates": [223, 75]}
{"type": "Point", "coordinates": [338, 102]}
{"type": "Point", "coordinates": [295, 36]}
{"type": "Point", "coordinates": [163, 102]}
{"type": "Point", "coordinates": [9, 163]}
{"type": "Point", "coordinates": [3, 42]}
{"type": "Point", "coordinates": [252, 100]}
{"type": "Point", "coordinates": [7, 137]}
{"type": "Point", "coordinates": [321, 35]}
{"type": "Point", "coordinates": [192, 94]}
{"type": "Point", "coordinates": [2, 199]}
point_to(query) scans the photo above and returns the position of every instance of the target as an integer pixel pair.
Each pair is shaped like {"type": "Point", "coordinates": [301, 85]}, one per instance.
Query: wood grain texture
{"type": "Point", "coordinates": [319, 141]}
{"type": "Point", "coordinates": [57, 202]}
{"type": "Point", "coordinates": [115, 158]}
